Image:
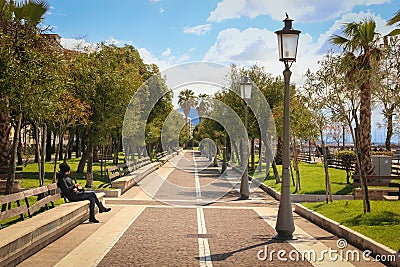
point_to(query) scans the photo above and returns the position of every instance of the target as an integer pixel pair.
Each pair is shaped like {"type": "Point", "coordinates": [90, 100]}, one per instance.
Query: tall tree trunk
{"type": "Point", "coordinates": [61, 145]}
{"type": "Point", "coordinates": [13, 166]}
{"type": "Point", "coordinates": [89, 169]}
{"type": "Point", "coordinates": [276, 173]}
{"type": "Point", "coordinates": [42, 159]}
{"type": "Point", "coordinates": [82, 162]}
{"type": "Point", "coordinates": [389, 130]}
{"type": "Point", "coordinates": [252, 153]}
{"type": "Point", "coordinates": [78, 150]}
{"type": "Point", "coordinates": [365, 130]}
{"type": "Point", "coordinates": [116, 150]}
{"type": "Point", "coordinates": [70, 139]}
{"type": "Point", "coordinates": [38, 152]}
{"type": "Point", "coordinates": [328, 189]}
{"type": "Point", "coordinates": [19, 152]}
{"type": "Point", "coordinates": [57, 153]}
{"type": "Point", "coordinates": [5, 129]}
{"type": "Point", "coordinates": [236, 153]}
{"type": "Point", "coordinates": [278, 156]}
{"type": "Point", "coordinates": [260, 159]}
{"type": "Point", "coordinates": [361, 169]}
{"type": "Point", "coordinates": [49, 148]}
{"type": "Point", "coordinates": [35, 136]}
{"type": "Point", "coordinates": [296, 165]}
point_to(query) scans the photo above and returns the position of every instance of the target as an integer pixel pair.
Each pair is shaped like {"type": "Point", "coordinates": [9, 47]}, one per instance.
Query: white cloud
{"type": "Point", "coordinates": [162, 10]}
{"type": "Point", "coordinates": [166, 53]}
{"type": "Point", "coordinates": [198, 30]}
{"type": "Point", "coordinates": [169, 59]}
{"type": "Point", "coordinates": [149, 58]}
{"type": "Point", "coordinates": [79, 44]}
{"type": "Point", "coordinates": [300, 10]}
{"type": "Point", "coordinates": [245, 47]}
{"type": "Point", "coordinates": [259, 46]}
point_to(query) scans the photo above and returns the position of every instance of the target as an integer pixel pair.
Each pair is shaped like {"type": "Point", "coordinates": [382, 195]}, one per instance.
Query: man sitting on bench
{"type": "Point", "coordinates": [74, 192]}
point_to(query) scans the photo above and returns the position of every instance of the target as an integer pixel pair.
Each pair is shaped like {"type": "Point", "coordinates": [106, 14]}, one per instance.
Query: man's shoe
{"type": "Point", "coordinates": [104, 209]}
{"type": "Point", "coordinates": [93, 220]}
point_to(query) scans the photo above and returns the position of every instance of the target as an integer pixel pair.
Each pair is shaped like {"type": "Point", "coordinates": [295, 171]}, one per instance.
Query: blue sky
{"type": "Point", "coordinates": [170, 32]}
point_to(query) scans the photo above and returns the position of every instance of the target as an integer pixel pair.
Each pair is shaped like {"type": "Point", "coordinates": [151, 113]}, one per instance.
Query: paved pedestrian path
{"type": "Point", "coordinates": [181, 226]}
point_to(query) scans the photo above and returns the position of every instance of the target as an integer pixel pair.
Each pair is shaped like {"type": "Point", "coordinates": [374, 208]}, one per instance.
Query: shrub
{"type": "Point", "coordinates": [347, 157]}
{"type": "Point", "coordinates": [383, 153]}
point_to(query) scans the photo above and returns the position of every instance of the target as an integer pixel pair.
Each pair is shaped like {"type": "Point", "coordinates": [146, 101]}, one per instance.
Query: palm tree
{"type": "Point", "coordinates": [202, 105]}
{"type": "Point", "coordinates": [361, 41]}
{"type": "Point", "coordinates": [186, 101]}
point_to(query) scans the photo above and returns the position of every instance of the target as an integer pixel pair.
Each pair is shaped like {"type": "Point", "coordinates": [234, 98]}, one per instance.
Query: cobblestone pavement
{"type": "Point", "coordinates": [188, 231]}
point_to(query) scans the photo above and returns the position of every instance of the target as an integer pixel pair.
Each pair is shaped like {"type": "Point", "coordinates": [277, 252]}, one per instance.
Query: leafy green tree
{"type": "Point", "coordinates": [20, 63]}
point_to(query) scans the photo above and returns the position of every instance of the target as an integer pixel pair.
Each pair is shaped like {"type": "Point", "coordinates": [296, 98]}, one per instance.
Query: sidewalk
{"type": "Point", "coordinates": [141, 231]}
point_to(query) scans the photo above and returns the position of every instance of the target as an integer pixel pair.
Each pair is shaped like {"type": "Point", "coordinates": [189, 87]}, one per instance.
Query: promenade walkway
{"type": "Point", "coordinates": [180, 226]}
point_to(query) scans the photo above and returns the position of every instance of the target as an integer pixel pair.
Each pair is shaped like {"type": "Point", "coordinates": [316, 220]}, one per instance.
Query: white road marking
{"type": "Point", "coordinates": [204, 248]}
{"type": "Point", "coordinates": [197, 181]}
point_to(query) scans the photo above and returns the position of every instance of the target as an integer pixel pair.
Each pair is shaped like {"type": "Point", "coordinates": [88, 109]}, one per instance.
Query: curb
{"type": "Point", "coordinates": [305, 198]}
{"type": "Point", "coordinates": [358, 240]}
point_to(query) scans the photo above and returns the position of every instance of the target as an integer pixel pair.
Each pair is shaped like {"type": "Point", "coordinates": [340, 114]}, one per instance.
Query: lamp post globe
{"type": "Point", "coordinates": [245, 92]}
{"type": "Point", "coordinates": [287, 46]}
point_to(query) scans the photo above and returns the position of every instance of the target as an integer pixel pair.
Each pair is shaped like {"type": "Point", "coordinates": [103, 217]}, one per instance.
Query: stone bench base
{"type": "Point", "coordinates": [21, 240]}
{"type": "Point", "coordinates": [374, 193]}
{"type": "Point", "coordinates": [126, 182]}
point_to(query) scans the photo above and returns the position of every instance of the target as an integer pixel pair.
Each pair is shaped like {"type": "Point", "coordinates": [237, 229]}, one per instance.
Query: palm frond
{"type": "Point", "coordinates": [395, 19]}
{"type": "Point", "coordinates": [394, 32]}
{"type": "Point", "coordinates": [338, 40]}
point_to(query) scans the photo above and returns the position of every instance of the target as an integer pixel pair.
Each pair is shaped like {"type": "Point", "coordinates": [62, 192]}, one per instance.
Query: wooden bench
{"type": "Point", "coordinates": [45, 195]}
{"type": "Point", "coordinates": [126, 168]}
{"type": "Point", "coordinates": [134, 172]}
{"type": "Point", "coordinates": [24, 238]}
{"type": "Point", "coordinates": [112, 173]}
{"type": "Point", "coordinates": [397, 185]}
{"type": "Point", "coordinates": [142, 162]}
{"type": "Point", "coordinates": [163, 156]}
{"type": "Point", "coordinates": [378, 180]}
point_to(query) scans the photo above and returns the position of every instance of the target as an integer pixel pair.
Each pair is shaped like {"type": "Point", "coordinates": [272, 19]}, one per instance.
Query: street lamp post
{"type": "Point", "coordinates": [245, 93]}
{"type": "Point", "coordinates": [287, 46]}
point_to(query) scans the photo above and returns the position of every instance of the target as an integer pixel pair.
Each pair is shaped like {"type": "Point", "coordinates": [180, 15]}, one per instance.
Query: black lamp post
{"type": "Point", "coordinates": [287, 46]}
{"type": "Point", "coordinates": [245, 93]}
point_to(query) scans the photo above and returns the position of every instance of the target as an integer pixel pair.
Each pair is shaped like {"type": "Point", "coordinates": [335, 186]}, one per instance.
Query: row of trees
{"type": "Point", "coordinates": [341, 92]}
{"type": "Point", "coordinates": [59, 92]}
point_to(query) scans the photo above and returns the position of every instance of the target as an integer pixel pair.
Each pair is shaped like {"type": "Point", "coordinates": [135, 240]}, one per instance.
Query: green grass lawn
{"type": "Point", "coordinates": [312, 180]}
{"type": "Point", "coordinates": [381, 224]}
{"type": "Point", "coordinates": [30, 174]}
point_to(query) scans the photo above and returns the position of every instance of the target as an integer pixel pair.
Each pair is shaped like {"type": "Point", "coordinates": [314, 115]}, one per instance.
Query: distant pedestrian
{"type": "Point", "coordinates": [74, 192]}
